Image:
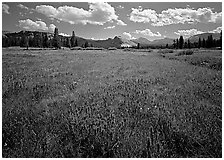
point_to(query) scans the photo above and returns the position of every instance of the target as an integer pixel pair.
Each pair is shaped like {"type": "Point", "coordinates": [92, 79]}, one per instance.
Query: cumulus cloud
{"type": "Point", "coordinates": [51, 27]}
{"type": "Point", "coordinates": [5, 8]}
{"type": "Point", "coordinates": [31, 25]}
{"type": "Point", "coordinates": [64, 34]}
{"type": "Point", "coordinates": [22, 6]}
{"type": "Point", "coordinates": [148, 32]}
{"type": "Point", "coordinates": [217, 30]}
{"type": "Point", "coordinates": [188, 33]}
{"type": "Point", "coordinates": [109, 27]}
{"type": "Point", "coordinates": [98, 13]}
{"type": "Point", "coordinates": [175, 16]}
{"type": "Point", "coordinates": [128, 35]}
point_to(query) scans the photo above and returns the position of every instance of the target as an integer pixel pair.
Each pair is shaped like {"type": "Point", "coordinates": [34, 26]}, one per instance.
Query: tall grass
{"type": "Point", "coordinates": [125, 119]}
{"type": "Point", "coordinates": [53, 107]}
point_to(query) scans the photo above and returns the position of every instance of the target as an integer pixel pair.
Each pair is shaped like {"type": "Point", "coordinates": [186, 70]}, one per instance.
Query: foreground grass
{"type": "Point", "coordinates": [108, 104]}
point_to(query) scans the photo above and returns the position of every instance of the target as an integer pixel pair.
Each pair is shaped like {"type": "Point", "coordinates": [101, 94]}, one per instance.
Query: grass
{"type": "Point", "coordinates": [108, 104]}
{"type": "Point", "coordinates": [204, 58]}
{"type": "Point", "coordinates": [185, 52]}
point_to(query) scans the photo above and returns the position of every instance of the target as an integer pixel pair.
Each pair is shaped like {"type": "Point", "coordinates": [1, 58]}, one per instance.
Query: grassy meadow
{"type": "Point", "coordinates": [111, 103]}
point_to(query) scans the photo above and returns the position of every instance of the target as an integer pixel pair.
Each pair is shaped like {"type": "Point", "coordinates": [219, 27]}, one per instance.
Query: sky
{"type": "Point", "coordinates": [102, 20]}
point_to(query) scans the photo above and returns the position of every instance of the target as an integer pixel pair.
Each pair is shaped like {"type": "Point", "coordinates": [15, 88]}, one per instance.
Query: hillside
{"type": "Point", "coordinates": [195, 38]}
{"type": "Point", "coordinates": [161, 42]}
{"type": "Point", "coordinates": [141, 40]}
{"type": "Point", "coordinates": [117, 41]}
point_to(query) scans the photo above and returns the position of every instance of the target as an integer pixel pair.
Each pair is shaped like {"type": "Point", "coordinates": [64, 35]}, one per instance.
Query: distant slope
{"type": "Point", "coordinates": [195, 38]}
{"type": "Point", "coordinates": [141, 40]}
{"type": "Point", "coordinates": [161, 42]}
{"type": "Point", "coordinates": [117, 41]}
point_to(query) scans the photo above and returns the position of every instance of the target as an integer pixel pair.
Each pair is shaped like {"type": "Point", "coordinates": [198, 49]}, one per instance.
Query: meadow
{"type": "Point", "coordinates": [111, 103]}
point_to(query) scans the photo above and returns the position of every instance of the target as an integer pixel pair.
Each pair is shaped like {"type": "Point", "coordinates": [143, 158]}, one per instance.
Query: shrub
{"type": "Point", "coordinates": [185, 52]}
{"type": "Point", "coordinates": [127, 49]}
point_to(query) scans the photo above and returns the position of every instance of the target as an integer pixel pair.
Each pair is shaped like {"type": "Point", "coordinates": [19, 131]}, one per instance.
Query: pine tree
{"type": "Point", "coordinates": [138, 46]}
{"type": "Point", "coordinates": [86, 44]}
{"type": "Point", "coordinates": [45, 41]}
{"type": "Point", "coordinates": [181, 42]}
{"type": "Point", "coordinates": [167, 46]}
{"type": "Point", "coordinates": [177, 46]}
{"type": "Point", "coordinates": [174, 43]}
{"type": "Point", "coordinates": [73, 39]}
{"type": "Point", "coordinates": [76, 42]}
{"type": "Point", "coordinates": [199, 43]}
{"type": "Point", "coordinates": [185, 45]}
{"type": "Point", "coordinates": [203, 43]}
{"type": "Point", "coordinates": [56, 40]}
{"type": "Point", "coordinates": [209, 42]}
{"type": "Point", "coordinates": [188, 44]}
{"type": "Point", "coordinates": [68, 43]}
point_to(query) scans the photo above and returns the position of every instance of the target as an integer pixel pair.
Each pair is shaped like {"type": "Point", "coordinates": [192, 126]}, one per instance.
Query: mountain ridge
{"type": "Point", "coordinates": [117, 41]}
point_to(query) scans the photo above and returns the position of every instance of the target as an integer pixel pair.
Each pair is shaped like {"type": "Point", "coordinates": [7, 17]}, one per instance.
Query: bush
{"type": "Point", "coordinates": [164, 51]}
{"type": "Point", "coordinates": [128, 49]}
{"type": "Point", "coordinates": [185, 52]}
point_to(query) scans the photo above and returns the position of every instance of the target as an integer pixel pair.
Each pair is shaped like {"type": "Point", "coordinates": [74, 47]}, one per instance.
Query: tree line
{"type": "Point", "coordinates": [210, 42]}
{"type": "Point", "coordinates": [41, 40]}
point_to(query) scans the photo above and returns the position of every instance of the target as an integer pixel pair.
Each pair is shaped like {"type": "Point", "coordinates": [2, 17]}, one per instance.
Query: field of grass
{"type": "Point", "coordinates": [71, 103]}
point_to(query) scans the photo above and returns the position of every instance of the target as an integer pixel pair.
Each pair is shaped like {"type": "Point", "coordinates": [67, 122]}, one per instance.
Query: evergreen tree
{"type": "Point", "coordinates": [73, 39]}
{"type": "Point", "coordinates": [86, 44]}
{"type": "Point", "coordinates": [177, 46]}
{"type": "Point", "coordinates": [199, 43]}
{"type": "Point", "coordinates": [209, 42]}
{"type": "Point", "coordinates": [138, 46]}
{"type": "Point", "coordinates": [76, 42]}
{"type": "Point", "coordinates": [188, 44]}
{"type": "Point", "coordinates": [174, 43]}
{"type": "Point", "coordinates": [167, 46]}
{"type": "Point", "coordinates": [181, 42]}
{"type": "Point", "coordinates": [185, 45]}
{"type": "Point", "coordinates": [56, 40]}
{"type": "Point", "coordinates": [203, 43]}
{"type": "Point", "coordinates": [68, 43]}
{"type": "Point", "coordinates": [45, 41]}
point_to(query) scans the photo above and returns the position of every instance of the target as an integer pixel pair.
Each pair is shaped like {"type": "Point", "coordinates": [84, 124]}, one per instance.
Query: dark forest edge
{"type": "Point", "coordinates": [55, 41]}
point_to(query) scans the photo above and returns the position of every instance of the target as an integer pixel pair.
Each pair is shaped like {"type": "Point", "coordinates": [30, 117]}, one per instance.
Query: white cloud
{"type": "Point", "coordinates": [64, 34]}
{"type": "Point", "coordinates": [128, 35]}
{"type": "Point", "coordinates": [109, 27]}
{"type": "Point", "coordinates": [96, 39]}
{"type": "Point", "coordinates": [148, 32]}
{"type": "Point", "coordinates": [22, 6]}
{"type": "Point", "coordinates": [217, 30]}
{"type": "Point", "coordinates": [145, 16]}
{"type": "Point", "coordinates": [5, 8]}
{"type": "Point", "coordinates": [31, 25]}
{"type": "Point", "coordinates": [121, 23]}
{"type": "Point", "coordinates": [51, 27]}
{"type": "Point", "coordinates": [98, 13]}
{"type": "Point", "coordinates": [188, 33]}
{"type": "Point", "coordinates": [175, 16]}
